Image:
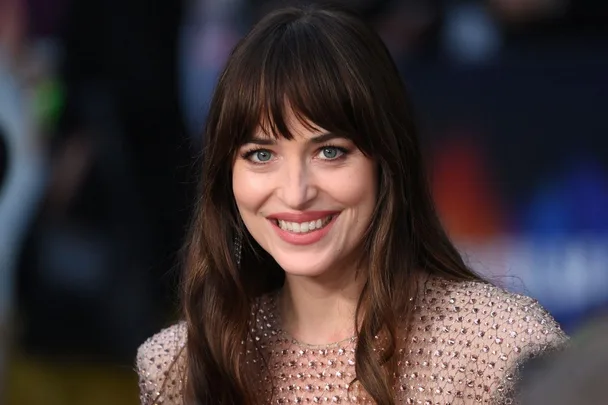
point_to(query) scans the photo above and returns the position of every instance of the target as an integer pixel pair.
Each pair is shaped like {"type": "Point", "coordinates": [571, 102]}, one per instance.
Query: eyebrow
{"type": "Point", "coordinates": [318, 139]}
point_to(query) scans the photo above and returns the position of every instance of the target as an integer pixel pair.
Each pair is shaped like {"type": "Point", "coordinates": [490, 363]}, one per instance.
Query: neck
{"type": "Point", "coordinates": [320, 310]}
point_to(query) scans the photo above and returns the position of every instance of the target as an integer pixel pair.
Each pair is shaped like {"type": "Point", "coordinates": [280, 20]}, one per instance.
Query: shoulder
{"type": "Point", "coordinates": [161, 366]}
{"type": "Point", "coordinates": [511, 318]}
{"type": "Point", "coordinates": [493, 332]}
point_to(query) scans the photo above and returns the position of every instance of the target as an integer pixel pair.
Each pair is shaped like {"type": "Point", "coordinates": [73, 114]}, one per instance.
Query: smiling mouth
{"type": "Point", "coordinates": [304, 227]}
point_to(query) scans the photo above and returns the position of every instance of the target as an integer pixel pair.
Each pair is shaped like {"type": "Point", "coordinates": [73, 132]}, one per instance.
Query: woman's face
{"type": "Point", "coordinates": [307, 201]}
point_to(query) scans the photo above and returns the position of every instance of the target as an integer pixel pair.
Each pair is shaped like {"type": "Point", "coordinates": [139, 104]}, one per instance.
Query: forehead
{"type": "Point", "coordinates": [290, 126]}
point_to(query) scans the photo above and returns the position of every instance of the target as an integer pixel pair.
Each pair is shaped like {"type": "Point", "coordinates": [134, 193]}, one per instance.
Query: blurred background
{"type": "Point", "coordinates": [102, 104]}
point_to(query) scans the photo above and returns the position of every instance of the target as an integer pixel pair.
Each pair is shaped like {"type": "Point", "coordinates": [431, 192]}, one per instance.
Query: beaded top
{"type": "Point", "coordinates": [465, 346]}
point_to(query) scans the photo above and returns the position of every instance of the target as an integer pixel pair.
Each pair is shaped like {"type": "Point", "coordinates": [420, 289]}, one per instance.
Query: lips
{"type": "Point", "coordinates": [301, 217]}
{"type": "Point", "coordinates": [303, 228]}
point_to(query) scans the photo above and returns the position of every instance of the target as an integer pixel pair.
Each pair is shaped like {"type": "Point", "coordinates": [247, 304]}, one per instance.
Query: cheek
{"type": "Point", "coordinates": [239, 189]}
{"type": "Point", "coordinates": [358, 188]}
{"type": "Point", "coordinates": [248, 189]}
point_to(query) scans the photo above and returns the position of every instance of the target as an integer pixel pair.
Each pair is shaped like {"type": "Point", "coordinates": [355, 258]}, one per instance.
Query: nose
{"type": "Point", "coordinates": [297, 188]}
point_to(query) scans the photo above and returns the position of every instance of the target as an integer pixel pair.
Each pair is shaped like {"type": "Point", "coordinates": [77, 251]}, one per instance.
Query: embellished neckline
{"type": "Point", "coordinates": [278, 326]}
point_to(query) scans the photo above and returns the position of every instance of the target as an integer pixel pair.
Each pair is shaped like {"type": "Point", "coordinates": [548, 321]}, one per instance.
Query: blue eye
{"type": "Point", "coordinates": [331, 152]}
{"type": "Point", "coordinates": [263, 155]}
{"type": "Point", "coordinates": [258, 155]}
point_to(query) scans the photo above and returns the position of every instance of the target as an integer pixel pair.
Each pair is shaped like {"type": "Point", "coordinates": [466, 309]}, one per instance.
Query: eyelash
{"type": "Point", "coordinates": [248, 153]}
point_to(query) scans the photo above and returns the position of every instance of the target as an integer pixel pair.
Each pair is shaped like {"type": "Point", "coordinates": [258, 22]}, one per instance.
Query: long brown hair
{"type": "Point", "coordinates": [336, 73]}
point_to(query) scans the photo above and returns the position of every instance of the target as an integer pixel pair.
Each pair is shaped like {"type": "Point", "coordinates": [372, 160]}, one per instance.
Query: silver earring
{"type": "Point", "coordinates": [238, 248]}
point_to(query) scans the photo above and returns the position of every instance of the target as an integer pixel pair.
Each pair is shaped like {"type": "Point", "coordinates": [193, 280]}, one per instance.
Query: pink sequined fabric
{"type": "Point", "coordinates": [466, 343]}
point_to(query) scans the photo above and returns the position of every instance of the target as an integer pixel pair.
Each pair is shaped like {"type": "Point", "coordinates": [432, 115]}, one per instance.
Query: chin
{"type": "Point", "coordinates": [304, 271]}
{"type": "Point", "coordinates": [303, 265]}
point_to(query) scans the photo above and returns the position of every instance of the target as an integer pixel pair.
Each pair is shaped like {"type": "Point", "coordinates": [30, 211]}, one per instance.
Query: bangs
{"type": "Point", "coordinates": [306, 67]}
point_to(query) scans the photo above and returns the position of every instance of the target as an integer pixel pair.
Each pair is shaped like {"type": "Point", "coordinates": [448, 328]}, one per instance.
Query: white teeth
{"type": "Point", "coordinates": [304, 227]}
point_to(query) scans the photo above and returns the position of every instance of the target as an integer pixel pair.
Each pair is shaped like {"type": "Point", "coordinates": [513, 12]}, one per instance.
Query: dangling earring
{"type": "Point", "coordinates": [238, 248]}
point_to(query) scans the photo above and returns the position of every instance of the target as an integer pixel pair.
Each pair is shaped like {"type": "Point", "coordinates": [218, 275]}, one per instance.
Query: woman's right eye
{"type": "Point", "coordinates": [259, 156]}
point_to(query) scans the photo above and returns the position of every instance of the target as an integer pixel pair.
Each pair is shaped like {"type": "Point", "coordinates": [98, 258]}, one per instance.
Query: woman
{"type": "Point", "coordinates": [317, 269]}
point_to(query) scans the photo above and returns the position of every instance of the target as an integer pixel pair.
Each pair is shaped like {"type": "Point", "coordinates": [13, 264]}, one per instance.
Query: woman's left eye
{"type": "Point", "coordinates": [331, 152]}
